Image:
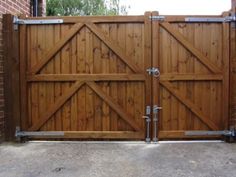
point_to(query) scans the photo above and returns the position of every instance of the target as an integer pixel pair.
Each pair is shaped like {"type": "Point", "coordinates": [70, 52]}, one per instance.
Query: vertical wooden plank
{"type": "Point", "coordinates": [11, 77]}
{"type": "Point", "coordinates": [129, 40]}
{"type": "Point", "coordinates": [57, 86]}
{"type": "Point", "coordinates": [148, 58]}
{"type": "Point", "coordinates": [205, 93]}
{"type": "Point", "coordinates": [97, 65]}
{"type": "Point", "coordinates": [173, 67]}
{"type": "Point", "coordinates": [113, 85]}
{"type": "Point", "coordinates": [49, 69]}
{"type": "Point", "coordinates": [105, 85]}
{"type": "Point", "coordinates": [215, 87]}
{"type": "Point", "coordinates": [74, 106]}
{"type": "Point", "coordinates": [23, 81]}
{"type": "Point", "coordinates": [121, 68]}
{"type": "Point", "coordinates": [29, 51]}
{"type": "Point", "coordinates": [42, 85]}
{"type": "Point", "coordinates": [89, 93]}
{"type": "Point", "coordinates": [65, 69]}
{"type": "Point", "coordinates": [194, 123]}
{"type": "Point", "coordinates": [34, 86]}
{"type": "Point", "coordinates": [190, 85]}
{"type": "Point", "coordinates": [139, 97]}
{"type": "Point", "coordinates": [164, 94]}
{"type": "Point", "coordinates": [181, 86]}
{"type": "Point", "coordinates": [81, 97]}
{"type": "Point", "coordinates": [225, 83]}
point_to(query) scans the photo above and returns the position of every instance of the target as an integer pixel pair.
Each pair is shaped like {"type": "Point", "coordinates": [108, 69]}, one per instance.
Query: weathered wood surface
{"type": "Point", "coordinates": [194, 65]}
{"type": "Point", "coordinates": [87, 77]}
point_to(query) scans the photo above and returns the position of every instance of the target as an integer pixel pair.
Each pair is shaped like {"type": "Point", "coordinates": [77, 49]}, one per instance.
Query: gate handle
{"type": "Point", "coordinates": [156, 72]}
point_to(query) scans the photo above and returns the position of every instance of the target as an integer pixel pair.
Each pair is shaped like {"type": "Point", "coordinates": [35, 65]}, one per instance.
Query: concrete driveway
{"type": "Point", "coordinates": [131, 159]}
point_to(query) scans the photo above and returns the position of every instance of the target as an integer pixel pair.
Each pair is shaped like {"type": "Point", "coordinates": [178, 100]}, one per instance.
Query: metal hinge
{"type": "Point", "coordinates": [158, 18]}
{"type": "Point", "coordinates": [18, 21]}
{"type": "Point", "coordinates": [153, 71]}
{"type": "Point", "coordinates": [20, 134]}
{"type": "Point", "coordinates": [212, 19]}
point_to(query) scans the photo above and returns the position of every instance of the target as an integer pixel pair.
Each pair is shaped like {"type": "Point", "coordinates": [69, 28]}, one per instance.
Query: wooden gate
{"type": "Point", "coordinates": [193, 59]}
{"type": "Point", "coordinates": [86, 76]}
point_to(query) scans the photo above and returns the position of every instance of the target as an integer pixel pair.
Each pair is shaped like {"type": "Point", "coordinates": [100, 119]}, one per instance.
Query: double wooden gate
{"type": "Point", "coordinates": [87, 76]}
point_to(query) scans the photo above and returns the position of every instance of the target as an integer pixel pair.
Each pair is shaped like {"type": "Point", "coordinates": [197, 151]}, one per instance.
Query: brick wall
{"type": "Point", "coordinates": [11, 7]}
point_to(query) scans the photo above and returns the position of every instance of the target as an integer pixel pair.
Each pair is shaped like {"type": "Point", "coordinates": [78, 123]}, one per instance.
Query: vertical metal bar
{"type": "Point", "coordinates": [148, 120]}
{"type": "Point", "coordinates": [155, 121]}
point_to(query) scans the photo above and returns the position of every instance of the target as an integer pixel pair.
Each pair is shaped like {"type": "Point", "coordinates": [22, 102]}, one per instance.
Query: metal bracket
{"type": "Point", "coordinates": [212, 19]}
{"type": "Point", "coordinates": [20, 134]}
{"type": "Point", "coordinates": [158, 18]}
{"type": "Point", "coordinates": [153, 71]}
{"type": "Point", "coordinates": [18, 21]}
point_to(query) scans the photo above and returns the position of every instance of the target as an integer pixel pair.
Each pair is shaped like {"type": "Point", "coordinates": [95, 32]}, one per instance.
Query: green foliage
{"type": "Point", "coordinates": [84, 7]}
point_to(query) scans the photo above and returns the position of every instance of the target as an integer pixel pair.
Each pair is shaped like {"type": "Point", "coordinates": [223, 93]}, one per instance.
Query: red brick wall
{"type": "Point", "coordinates": [11, 7]}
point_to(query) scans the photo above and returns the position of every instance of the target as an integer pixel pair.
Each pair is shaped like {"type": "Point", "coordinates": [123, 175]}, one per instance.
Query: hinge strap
{"type": "Point", "coordinates": [18, 21]}
{"type": "Point", "coordinates": [211, 19]}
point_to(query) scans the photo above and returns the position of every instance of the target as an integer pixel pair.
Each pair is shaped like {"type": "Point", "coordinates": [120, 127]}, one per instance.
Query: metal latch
{"type": "Point", "coordinates": [212, 19]}
{"type": "Point", "coordinates": [153, 71]}
{"type": "Point", "coordinates": [158, 18]}
{"type": "Point", "coordinates": [20, 134]}
{"type": "Point", "coordinates": [18, 21]}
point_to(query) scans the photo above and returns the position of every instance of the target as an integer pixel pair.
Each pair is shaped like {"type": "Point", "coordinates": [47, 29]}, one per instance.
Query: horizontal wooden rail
{"type": "Point", "coordinates": [87, 77]}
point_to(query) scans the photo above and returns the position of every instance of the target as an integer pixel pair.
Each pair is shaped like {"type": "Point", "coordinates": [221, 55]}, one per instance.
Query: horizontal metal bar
{"type": "Point", "coordinates": [211, 19]}
{"type": "Point", "coordinates": [200, 19]}
{"type": "Point", "coordinates": [206, 133]}
{"type": "Point", "coordinates": [41, 133]}
{"type": "Point", "coordinates": [37, 22]}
